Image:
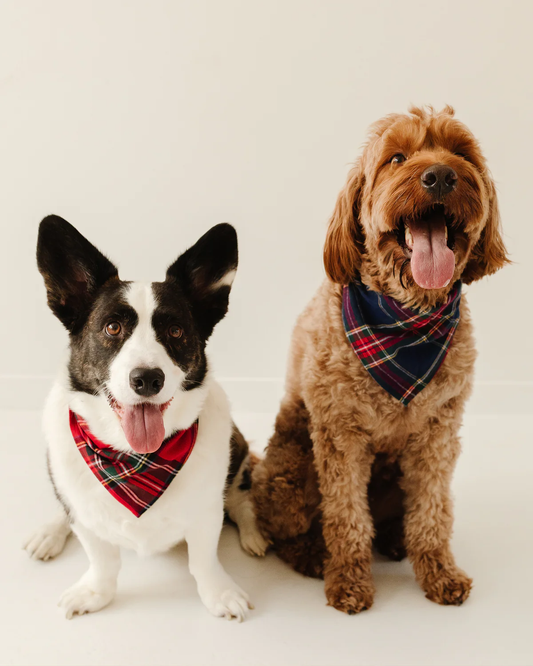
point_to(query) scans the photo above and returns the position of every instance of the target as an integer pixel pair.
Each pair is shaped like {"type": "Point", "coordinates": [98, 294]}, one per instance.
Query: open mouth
{"type": "Point", "coordinates": [428, 242]}
{"type": "Point", "coordinates": [142, 424]}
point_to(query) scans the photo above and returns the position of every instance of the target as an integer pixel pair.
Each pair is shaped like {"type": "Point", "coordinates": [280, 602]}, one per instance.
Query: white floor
{"type": "Point", "coordinates": [157, 617]}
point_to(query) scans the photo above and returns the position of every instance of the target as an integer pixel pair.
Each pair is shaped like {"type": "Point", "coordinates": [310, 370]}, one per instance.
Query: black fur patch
{"type": "Point", "coordinates": [198, 270]}
{"type": "Point", "coordinates": [92, 350]}
{"type": "Point", "coordinates": [187, 352]}
{"type": "Point", "coordinates": [85, 293]}
{"type": "Point", "coordinates": [73, 271]}
{"type": "Point", "coordinates": [189, 298]}
{"type": "Point", "coordinates": [238, 452]}
{"type": "Point", "coordinates": [246, 480]}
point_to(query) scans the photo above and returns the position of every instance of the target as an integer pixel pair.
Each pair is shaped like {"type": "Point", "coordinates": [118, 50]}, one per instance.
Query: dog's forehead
{"type": "Point", "coordinates": [140, 297]}
{"type": "Point", "coordinates": [112, 299]}
{"type": "Point", "coordinates": [170, 300]}
{"type": "Point", "coordinates": [127, 301]}
{"type": "Point", "coordinates": [140, 301]}
{"type": "Point", "coordinates": [410, 133]}
{"type": "Point", "coordinates": [150, 299]}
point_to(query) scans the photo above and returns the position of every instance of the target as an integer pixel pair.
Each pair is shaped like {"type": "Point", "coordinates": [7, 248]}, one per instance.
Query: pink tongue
{"type": "Point", "coordinates": [143, 427]}
{"type": "Point", "coordinates": [432, 262]}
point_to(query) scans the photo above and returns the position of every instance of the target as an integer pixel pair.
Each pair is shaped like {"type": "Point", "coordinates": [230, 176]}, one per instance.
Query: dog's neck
{"type": "Point", "coordinates": [104, 423]}
{"type": "Point", "coordinates": [409, 296]}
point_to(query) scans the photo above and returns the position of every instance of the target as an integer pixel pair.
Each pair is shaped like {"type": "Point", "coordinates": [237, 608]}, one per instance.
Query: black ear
{"type": "Point", "coordinates": [206, 272]}
{"type": "Point", "coordinates": [73, 270]}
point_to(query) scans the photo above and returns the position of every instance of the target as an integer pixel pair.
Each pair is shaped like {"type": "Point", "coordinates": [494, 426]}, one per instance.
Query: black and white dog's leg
{"type": "Point", "coordinates": [49, 540]}
{"type": "Point", "coordinates": [218, 591]}
{"type": "Point", "coordinates": [97, 587]}
{"type": "Point", "coordinates": [240, 509]}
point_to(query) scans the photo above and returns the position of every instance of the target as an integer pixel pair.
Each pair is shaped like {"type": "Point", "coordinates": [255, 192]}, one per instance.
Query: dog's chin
{"type": "Point", "coordinates": [142, 424]}
{"type": "Point", "coordinates": [427, 241]}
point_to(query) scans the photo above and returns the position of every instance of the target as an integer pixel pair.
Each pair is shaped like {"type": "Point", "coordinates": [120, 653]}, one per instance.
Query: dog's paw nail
{"type": "Point", "coordinates": [81, 599]}
{"type": "Point", "coordinates": [229, 604]}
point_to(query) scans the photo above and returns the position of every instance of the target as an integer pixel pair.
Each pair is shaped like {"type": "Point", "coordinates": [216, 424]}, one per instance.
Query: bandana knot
{"type": "Point", "coordinates": [401, 348]}
{"type": "Point", "coordinates": [136, 480]}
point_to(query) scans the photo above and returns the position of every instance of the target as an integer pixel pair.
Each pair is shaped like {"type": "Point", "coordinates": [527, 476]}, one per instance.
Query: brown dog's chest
{"type": "Point", "coordinates": [392, 425]}
{"type": "Point", "coordinates": [337, 381]}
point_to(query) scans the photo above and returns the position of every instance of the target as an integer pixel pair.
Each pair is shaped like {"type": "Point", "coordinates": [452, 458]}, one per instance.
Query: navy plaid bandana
{"type": "Point", "coordinates": [402, 349]}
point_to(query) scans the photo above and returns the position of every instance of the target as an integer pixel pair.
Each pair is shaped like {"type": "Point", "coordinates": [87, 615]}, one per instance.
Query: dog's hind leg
{"type": "Point", "coordinates": [284, 484]}
{"type": "Point", "coordinates": [238, 504]}
{"type": "Point", "coordinates": [306, 553]}
{"type": "Point", "coordinates": [49, 540]}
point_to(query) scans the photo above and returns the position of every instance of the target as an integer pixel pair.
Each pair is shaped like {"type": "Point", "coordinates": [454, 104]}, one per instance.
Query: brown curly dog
{"type": "Point", "coordinates": [348, 463]}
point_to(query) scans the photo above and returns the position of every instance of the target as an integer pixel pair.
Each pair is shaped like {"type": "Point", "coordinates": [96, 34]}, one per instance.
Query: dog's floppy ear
{"type": "Point", "coordinates": [345, 238]}
{"type": "Point", "coordinates": [489, 254]}
{"type": "Point", "coordinates": [205, 272]}
{"type": "Point", "coordinates": [73, 270]}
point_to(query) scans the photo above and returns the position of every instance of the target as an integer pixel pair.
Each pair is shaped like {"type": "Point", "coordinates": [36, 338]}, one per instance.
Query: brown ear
{"type": "Point", "coordinates": [345, 239]}
{"type": "Point", "coordinates": [488, 254]}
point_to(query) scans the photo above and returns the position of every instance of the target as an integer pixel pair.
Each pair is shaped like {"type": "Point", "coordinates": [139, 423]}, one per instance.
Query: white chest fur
{"type": "Point", "coordinates": [196, 490]}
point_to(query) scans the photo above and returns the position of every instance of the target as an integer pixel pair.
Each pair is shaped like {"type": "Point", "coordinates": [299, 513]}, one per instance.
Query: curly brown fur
{"type": "Point", "coordinates": [348, 465]}
{"type": "Point", "coordinates": [307, 552]}
{"type": "Point", "coordinates": [287, 476]}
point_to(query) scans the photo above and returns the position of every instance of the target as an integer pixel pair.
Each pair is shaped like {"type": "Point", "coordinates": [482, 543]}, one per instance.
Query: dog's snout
{"type": "Point", "coordinates": [439, 179]}
{"type": "Point", "coordinates": [147, 381]}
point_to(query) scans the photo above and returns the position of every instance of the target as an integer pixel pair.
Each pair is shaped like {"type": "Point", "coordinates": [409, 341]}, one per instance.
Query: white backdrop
{"type": "Point", "coordinates": [144, 123]}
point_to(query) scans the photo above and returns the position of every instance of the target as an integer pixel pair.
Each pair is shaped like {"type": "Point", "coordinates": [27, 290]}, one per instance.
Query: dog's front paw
{"type": "Point", "coordinates": [452, 588]}
{"type": "Point", "coordinates": [81, 598]}
{"type": "Point", "coordinates": [47, 542]}
{"type": "Point", "coordinates": [350, 596]}
{"type": "Point", "coordinates": [228, 602]}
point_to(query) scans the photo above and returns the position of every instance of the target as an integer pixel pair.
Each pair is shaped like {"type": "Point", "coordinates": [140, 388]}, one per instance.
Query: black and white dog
{"type": "Point", "coordinates": [136, 375]}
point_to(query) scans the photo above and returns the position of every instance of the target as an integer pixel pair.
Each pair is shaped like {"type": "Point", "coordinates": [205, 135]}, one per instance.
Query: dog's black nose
{"type": "Point", "coordinates": [147, 381]}
{"type": "Point", "coordinates": [439, 179]}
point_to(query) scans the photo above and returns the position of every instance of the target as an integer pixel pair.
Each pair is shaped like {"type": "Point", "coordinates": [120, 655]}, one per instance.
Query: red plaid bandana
{"type": "Point", "coordinates": [134, 479]}
{"type": "Point", "coordinates": [402, 349]}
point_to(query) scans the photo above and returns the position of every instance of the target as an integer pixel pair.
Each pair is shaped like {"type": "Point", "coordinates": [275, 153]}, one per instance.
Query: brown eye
{"type": "Point", "coordinates": [398, 159]}
{"type": "Point", "coordinates": [113, 328]}
{"type": "Point", "coordinates": [175, 332]}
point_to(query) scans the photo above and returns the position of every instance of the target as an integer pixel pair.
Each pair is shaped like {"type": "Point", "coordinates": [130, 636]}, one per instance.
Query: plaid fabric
{"type": "Point", "coordinates": [134, 479]}
{"type": "Point", "coordinates": [402, 349]}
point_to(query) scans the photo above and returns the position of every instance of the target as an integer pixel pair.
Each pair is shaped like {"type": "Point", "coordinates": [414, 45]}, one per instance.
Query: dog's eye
{"type": "Point", "coordinates": [461, 155]}
{"type": "Point", "coordinates": [175, 332]}
{"type": "Point", "coordinates": [398, 159]}
{"type": "Point", "coordinates": [113, 328]}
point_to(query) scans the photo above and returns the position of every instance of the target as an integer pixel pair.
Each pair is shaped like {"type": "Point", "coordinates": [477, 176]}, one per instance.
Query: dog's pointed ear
{"type": "Point", "coordinates": [206, 272]}
{"type": "Point", "coordinates": [489, 254]}
{"type": "Point", "coordinates": [345, 237]}
{"type": "Point", "coordinates": [73, 270]}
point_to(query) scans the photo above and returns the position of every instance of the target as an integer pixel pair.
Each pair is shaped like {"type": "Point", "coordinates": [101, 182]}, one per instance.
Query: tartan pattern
{"type": "Point", "coordinates": [401, 348]}
{"type": "Point", "coordinates": [136, 480]}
